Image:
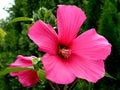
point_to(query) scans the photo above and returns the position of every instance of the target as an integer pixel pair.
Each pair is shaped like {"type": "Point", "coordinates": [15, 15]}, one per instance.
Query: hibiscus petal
{"type": "Point", "coordinates": [28, 78]}
{"type": "Point", "coordinates": [22, 61]}
{"type": "Point", "coordinates": [14, 74]}
{"type": "Point", "coordinates": [56, 70]}
{"type": "Point", "coordinates": [44, 36]}
{"type": "Point", "coordinates": [69, 20]}
{"type": "Point", "coordinates": [85, 68]}
{"type": "Point", "coordinates": [91, 45]}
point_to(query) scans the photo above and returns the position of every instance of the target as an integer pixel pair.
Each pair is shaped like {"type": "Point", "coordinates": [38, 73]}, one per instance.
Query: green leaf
{"type": "Point", "coordinates": [18, 19]}
{"type": "Point", "coordinates": [42, 75]}
{"type": "Point", "coordinates": [109, 76]}
{"type": "Point", "coordinates": [80, 84]}
{"type": "Point", "coordinates": [8, 70]}
{"type": "Point", "coordinates": [90, 86]}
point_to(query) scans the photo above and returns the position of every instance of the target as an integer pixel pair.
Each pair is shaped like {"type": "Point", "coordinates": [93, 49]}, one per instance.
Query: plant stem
{"type": "Point", "coordinates": [72, 85]}
{"type": "Point", "coordinates": [90, 86]}
{"type": "Point", "coordinates": [65, 87]}
{"type": "Point", "coordinates": [53, 88]}
{"type": "Point", "coordinates": [56, 86]}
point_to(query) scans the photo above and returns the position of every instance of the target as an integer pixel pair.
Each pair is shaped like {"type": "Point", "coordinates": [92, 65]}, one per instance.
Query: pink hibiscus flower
{"type": "Point", "coordinates": [67, 55]}
{"type": "Point", "coordinates": [27, 78]}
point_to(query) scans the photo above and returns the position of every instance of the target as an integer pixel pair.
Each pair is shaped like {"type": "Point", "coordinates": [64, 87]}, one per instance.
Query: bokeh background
{"type": "Point", "coordinates": [103, 15]}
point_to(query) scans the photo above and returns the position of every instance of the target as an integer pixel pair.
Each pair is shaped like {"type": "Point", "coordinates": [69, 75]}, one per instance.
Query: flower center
{"type": "Point", "coordinates": [64, 52]}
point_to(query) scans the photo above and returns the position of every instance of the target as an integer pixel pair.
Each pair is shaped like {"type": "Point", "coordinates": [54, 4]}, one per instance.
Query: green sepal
{"type": "Point", "coordinates": [42, 75]}
{"type": "Point", "coordinates": [18, 19]}
{"type": "Point", "coordinates": [35, 60]}
{"type": "Point", "coordinates": [8, 70]}
{"type": "Point", "coordinates": [109, 76]}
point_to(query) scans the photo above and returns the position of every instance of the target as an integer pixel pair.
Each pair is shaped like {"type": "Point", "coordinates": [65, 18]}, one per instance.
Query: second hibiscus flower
{"type": "Point", "coordinates": [68, 56]}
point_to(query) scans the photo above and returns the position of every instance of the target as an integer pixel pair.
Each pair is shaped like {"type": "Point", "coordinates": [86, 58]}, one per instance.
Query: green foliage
{"type": "Point", "coordinates": [45, 15]}
{"type": "Point", "coordinates": [82, 85]}
{"type": "Point", "coordinates": [109, 27]}
{"type": "Point", "coordinates": [93, 10]}
{"type": "Point", "coordinates": [103, 15]}
{"type": "Point", "coordinates": [2, 35]}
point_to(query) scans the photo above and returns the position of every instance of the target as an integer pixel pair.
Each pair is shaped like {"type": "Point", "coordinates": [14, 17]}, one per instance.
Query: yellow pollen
{"type": "Point", "coordinates": [64, 53]}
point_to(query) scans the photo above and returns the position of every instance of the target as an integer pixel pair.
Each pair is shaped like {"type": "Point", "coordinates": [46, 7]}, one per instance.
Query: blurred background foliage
{"type": "Point", "coordinates": [104, 15]}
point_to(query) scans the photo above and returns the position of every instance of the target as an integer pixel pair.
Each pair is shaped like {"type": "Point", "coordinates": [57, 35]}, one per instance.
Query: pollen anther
{"type": "Point", "coordinates": [64, 53]}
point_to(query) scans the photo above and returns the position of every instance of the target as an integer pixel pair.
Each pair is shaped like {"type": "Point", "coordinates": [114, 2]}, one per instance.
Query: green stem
{"type": "Point", "coordinates": [51, 85]}
{"type": "Point", "coordinates": [65, 87]}
{"type": "Point", "coordinates": [90, 86]}
{"type": "Point", "coordinates": [56, 86]}
{"type": "Point", "coordinates": [72, 85]}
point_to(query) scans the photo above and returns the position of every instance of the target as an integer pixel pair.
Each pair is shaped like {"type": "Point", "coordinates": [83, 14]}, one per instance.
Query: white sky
{"type": "Point", "coordinates": [5, 4]}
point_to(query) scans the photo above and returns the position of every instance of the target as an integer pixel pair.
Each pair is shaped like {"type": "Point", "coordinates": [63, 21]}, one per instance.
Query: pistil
{"type": "Point", "coordinates": [64, 52]}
